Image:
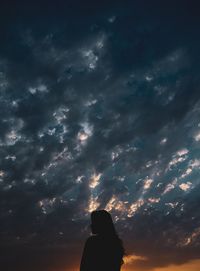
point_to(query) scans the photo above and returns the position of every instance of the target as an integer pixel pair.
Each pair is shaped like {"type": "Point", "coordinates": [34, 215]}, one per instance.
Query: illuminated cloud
{"type": "Point", "coordinates": [153, 200]}
{"type": "Point", "coordinates": [117, 205]}
{"type": "Point", "coordinates": [94, 181]}
{"type": "Point", "coordinates": [134, 207]}
{"type": "Point", "coordinates": [179, 157]}
{"type": "Point", "coordinates": [185, 186]}
{"type": "Point", "coordinates": [2, 173]}
{"type": "Point", "coordinates": [197, 137]}
{"type": "Point", "coordinates": [41, 88]}
{"type": "Point", "coordinates": [163, 141]}
{"type": "Point", "coordinates": [131, 258]}
{"type": "Point", "coordinates": [191, 238]}
{"type": "Point", "coordinates": [93, 204]}
{"type": "Point", "coordinates": [147, 183]}
{"type": "Point", "coordinates": [86, 132]}
{"type": "Point", "coordinates": [170, 186]}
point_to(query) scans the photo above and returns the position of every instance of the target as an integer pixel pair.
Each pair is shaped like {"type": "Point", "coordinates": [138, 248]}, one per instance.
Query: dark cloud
{"type": "Point", "coordinates": [99, 108]}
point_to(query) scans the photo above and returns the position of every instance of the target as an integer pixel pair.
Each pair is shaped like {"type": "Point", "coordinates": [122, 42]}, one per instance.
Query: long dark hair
{"type": "Point", "coordinates": [102, 225]}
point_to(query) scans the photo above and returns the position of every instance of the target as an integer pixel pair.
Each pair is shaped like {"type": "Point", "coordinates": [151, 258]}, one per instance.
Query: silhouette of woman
{"type": "Point", "coordinates": [103, 250]}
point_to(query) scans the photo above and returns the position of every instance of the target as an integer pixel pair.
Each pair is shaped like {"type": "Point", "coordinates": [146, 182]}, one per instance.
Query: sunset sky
{"type": "Point", "coordinates": [99, 109]}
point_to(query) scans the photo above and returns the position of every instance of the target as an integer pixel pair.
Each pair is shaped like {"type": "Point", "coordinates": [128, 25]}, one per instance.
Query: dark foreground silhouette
{"type": "Point", "coordinates": [103, 250]}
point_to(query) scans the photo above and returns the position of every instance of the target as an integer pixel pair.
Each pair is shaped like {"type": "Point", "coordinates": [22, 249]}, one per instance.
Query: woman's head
{"type": "Point", "coordinates": [103, 226]}
{"type": "Point", "coordinates": [102, 223]}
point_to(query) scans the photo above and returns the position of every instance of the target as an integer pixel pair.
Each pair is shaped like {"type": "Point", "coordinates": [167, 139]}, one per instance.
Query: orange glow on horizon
{"type": "Point", "coordinates": [129, 260]}
{"type": "Point", "coordinates": [190, 266]}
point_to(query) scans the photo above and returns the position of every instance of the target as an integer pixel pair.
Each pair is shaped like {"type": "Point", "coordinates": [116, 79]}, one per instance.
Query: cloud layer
{"type": "Point", "coordinates": [99, 108]}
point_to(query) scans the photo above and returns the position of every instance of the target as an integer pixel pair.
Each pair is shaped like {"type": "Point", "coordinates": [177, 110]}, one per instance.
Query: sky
{"type": "Point", "coordinates": [99, 109]}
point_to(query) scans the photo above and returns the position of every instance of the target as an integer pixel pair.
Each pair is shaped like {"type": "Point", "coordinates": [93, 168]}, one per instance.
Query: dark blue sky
{"type": "Point", "coordinates": [99, 108]}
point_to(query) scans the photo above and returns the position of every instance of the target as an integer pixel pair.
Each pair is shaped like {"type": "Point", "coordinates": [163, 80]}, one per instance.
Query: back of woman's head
{"type": "Point", "coordinates": [102, 223]}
